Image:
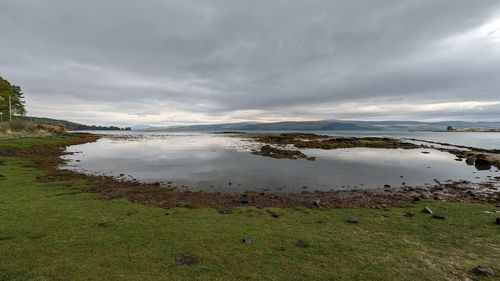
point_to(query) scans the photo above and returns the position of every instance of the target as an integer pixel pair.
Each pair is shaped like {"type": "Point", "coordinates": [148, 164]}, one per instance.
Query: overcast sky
{"type": "Point", "coordinates": [165, 62]}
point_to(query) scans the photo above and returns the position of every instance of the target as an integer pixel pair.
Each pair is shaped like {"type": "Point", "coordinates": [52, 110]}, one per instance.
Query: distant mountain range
{"type": "Point", "coordinates": [325, 125]}
{"type": "Point", "coordinates": [334, 125]}
{"type": "Point", "coordinates": [73, 126]}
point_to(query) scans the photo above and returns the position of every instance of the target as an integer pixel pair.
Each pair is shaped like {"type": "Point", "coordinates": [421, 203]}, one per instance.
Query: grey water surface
{"type": "Point", "coordinates": [216, 162]}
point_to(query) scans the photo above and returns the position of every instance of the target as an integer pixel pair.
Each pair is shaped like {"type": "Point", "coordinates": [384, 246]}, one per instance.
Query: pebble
{"type": "Point", "coordinates": [427, 210]}
{"type": "Point", "coordinates": [409, 214]}
{"type": "Point", "coordinates": [316, 202]}
{"type": "Point", "coordinates": [352, 220]}
{"type": "Point", "coordinates": [247, 240]}
{"type": "Point", "coordinates": [185, 261]}
{"type": "Point", "coordinates": [300, 244]}
{"type": "Point", "coordinates": [485, 271]}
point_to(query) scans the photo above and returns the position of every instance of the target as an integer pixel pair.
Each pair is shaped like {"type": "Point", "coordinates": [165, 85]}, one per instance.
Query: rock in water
{"type": "Point", "coordinates": [485, 271]}
{"type": "Point", "coordinates": [470, 161]}
{"type": "Point", "coordinates": [427, 210]}
{"type": "Point", "coordinates": [248, 240]}
{"type": "Point", "coordinates": [352, 220]}
{"type": "Point", "coordinates": [482, 164]}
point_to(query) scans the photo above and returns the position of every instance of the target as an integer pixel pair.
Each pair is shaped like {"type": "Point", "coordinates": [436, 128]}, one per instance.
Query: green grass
{"type": "Point", "coordinates": [50, 231]}
{"type": "Point", "coordinates": [21, 141]}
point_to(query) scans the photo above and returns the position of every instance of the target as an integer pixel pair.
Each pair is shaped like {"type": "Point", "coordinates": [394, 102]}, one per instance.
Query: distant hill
{"type": "Point", "coordinates": [73, 126]}
{"type": "Point", "coordinates": [335, 125]}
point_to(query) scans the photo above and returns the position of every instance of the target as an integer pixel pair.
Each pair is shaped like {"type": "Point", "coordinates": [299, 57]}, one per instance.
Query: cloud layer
{"type": "Point", "coordinates": [177, 61]}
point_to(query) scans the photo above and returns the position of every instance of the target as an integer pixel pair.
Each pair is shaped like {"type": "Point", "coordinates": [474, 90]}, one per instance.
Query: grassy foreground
{"type": "Point", "coordinates": [51, 231]}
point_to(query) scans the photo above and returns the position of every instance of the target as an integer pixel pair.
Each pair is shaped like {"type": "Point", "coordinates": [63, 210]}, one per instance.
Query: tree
{"type": "Point", "coordinates": [7, 89]}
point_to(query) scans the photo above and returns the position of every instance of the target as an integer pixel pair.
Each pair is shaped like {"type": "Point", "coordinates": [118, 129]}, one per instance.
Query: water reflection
{"type": "Point", "coordinates": [223, 163]}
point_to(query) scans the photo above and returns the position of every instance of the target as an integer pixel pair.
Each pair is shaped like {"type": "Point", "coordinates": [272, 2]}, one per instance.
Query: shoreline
{"type": "Point", "coordinates": [47, 159]}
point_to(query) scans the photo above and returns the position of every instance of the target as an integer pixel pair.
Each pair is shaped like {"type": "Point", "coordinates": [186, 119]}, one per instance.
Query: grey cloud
{"type": "Point", "coordinates": [210, 61]}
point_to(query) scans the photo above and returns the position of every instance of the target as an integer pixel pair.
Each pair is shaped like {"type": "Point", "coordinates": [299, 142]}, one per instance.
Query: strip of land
{"type": "Point", "coordinates": [62, 225]}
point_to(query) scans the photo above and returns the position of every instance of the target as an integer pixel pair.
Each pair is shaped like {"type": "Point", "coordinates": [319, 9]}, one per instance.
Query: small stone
{"type": "Point", "coordinates": [272, 214]}
{"type": "Point", "coordinates": [427, 210]}
{"type": "Point", "coordinates": [316, 202]}
{"type": "Point", "coordinates": [247, 240]}
{"type": "Point", "coordinates": [352, 220]}
{"type": "Point", "coordinates": [185, 261]}
{"type": "Point", "coordinates": [300, 244]}
{"type": "Point", "coordinates": [485, 271]}
{"type": "Point", "coordinates": [439, 217]}
{"type": "Point", "coordinates": [409, 214]}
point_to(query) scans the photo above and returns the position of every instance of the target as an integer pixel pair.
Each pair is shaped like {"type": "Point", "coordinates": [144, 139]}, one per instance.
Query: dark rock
{"type": "Point", "coordinates": [425, 152]}
{"type": "Point", "coordinates": [352, 220]}
{"type": "Point", "coordinates": [485, 271]}
{"type": "Point", "coordinates": [416, 199]}
{"type": "Point", "coordinates": [470, 161]}
{"type": "Point", "coordinates": [185, 261]}
{"type": "Point", "coordinates": [409, 214]}
{"type": "Point", "coordinates": [498, 221]}
{"type": "Point", "coordinates": [272, 214]}
{"type": "Point", "coordinates": [301, 244]}
{"type": "Point", "coordinates": [439, 217]}
{"type": "Point", "coordinates": [482, 164]}
{"type": "Point", "coordinates": [247, 240]}
{"type": "Point", "coordinates": [316, 203]}
{"type": "Point", "coordinates": [387, 186]}
{"type": "Point", "coordinates": [427, 210]}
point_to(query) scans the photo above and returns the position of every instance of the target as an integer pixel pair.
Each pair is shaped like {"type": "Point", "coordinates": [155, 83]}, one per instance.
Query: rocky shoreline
{"type": "Point", "coordinates": [48, 158]}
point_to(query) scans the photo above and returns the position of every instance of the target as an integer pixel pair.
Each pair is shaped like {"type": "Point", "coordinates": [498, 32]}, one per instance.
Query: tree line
{"type": "Point", "coordinates": [8, 90]}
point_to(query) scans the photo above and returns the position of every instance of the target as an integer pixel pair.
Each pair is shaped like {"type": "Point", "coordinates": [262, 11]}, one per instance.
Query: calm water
{"type": "Point", "coordinates": [203, 161]}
